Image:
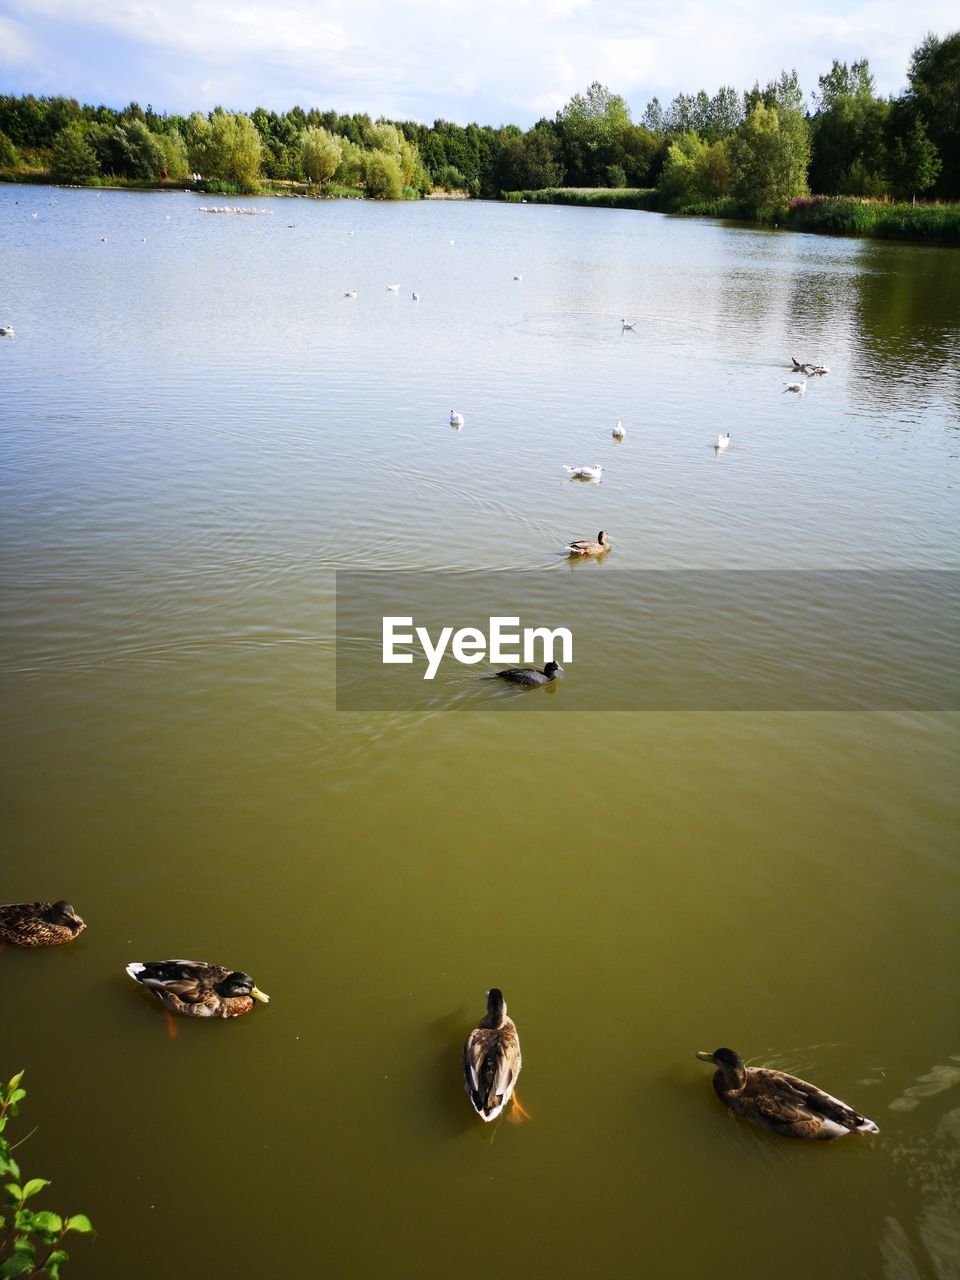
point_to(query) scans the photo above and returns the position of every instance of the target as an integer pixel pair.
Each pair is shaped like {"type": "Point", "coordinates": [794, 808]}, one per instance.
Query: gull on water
{"type": "Point", "coordinates": [415, 296]}
{"type": "Point", "coordinates": [627, 324]}
{"type": "Point", "coordinates": [393, 288]}
{"type": "Point", "coordinates": [799, 388]}
{"type": "Point", "coordinates": [456, 419]}
{"type": "Point", "coordinates": [6, 331]}
{"type": "Point", "coordinates": [723, 442]}
{"type": "Point", "coordinates": [619, 431]}
{"type": "Point", "coordinates": [584, 473]}
{"type": "Point", "coordinates": [351, 293]}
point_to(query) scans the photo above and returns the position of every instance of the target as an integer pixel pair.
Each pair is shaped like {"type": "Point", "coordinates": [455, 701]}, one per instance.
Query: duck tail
{"type": "Point", "coordinates": [866, 1126]}
{"type": "Point", "coordinates": [135, 969]}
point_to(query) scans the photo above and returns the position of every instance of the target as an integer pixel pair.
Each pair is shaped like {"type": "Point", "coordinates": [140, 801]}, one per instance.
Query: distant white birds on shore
{"type": "Point", "coordinates": [415, 296]}
{"type": "Point", "coordinates": [584, 473]}
{"type": "Point", "coordinates": [619, 431]}
{"type": "Point", "coordinates": [6, 331]}
{"type": "Point", "coordinates": [393, 288]}
{"type": "Point", "coordinates": [456, 419]}
{"type": "Point", "coordinates": [351, 293]}
{"type": "Point", "coordinates": [723, 442]}
{"type": "Point", "coordinates": [799, 388]}
{"type": "Point", "coordinates": [627, 324]}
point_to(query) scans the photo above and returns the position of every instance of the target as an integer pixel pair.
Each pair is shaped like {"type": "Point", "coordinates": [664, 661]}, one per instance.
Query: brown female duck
{"type": "Point", "coordinates": [597, 548]}
{"type": "Point", "coordinates": [39, 924]}
{"type": "Point", "coordinates": [491, 1059]}
{"type": "Point", "coordinates": [780, 1102]}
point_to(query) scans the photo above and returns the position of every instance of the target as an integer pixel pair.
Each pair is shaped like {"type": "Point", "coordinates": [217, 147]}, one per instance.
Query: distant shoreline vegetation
{"type": "Point", "coordinates": [756, 155]}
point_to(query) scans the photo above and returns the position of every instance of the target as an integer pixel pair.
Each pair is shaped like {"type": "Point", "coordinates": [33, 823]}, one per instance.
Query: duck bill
{"type": "Point", "coordinates": [260, 995]}
{"type": "Point", "coordinates": [704, 1055]}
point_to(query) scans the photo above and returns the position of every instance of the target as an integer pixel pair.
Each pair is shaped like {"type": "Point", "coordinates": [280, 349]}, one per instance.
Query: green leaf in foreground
{"type": "Point", "coordinates": [80, 1222]}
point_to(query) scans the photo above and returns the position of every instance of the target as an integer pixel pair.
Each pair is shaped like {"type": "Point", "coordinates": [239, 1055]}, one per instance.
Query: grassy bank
{"type": "Point", "coordinates": [925, 223]}
{"type": "Point", "coordinates": [593, 197]}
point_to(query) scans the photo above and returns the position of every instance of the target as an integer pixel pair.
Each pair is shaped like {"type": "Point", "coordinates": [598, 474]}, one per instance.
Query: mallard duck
{"type": "Point", "coordinates": [529, 675]}
{"type": "Point", "coordinates": [584, 473]}
{"type": "Point", "coordinates": [456, 419]}
{"type": "Point", "coordinates": [597, 548]}
{"type": "Point", "coordinates": [198, 989]}
{"type": "Point", "coordinates": [39, 924]}
{"type": "Point", "coordinates": [491, 1059]}
{"type": "Point", "coordinates": [780, 1102]}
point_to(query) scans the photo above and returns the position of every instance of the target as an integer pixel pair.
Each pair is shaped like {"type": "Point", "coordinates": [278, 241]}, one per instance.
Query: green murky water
{"type": "Point", "coordinates": [197, 430]}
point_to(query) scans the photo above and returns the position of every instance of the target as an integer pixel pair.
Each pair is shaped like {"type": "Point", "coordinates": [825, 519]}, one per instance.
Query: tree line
{"type": "Point", "coordinates": [762, 148]}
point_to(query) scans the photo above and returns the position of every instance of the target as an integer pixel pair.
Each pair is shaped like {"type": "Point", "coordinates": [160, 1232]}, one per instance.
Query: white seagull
{"type": "Point", "coordinates": [352, 293]}
{"type": "Point", "coordinates": [456, 419]}
{"type": "Point", "coordinates": [818, 370]}
{"type": "Point", "coordinates": [6, 331]}
{"type": "Point", "coordinates": [393, 288]}
{"type": "Point", "coordinates": [518, 277]}
{"type": "Point", "coordinates": [619, 431]}
{"type": "Point", "coordinates": [800, 388]}
{"type": "Point", "coordinates": [415, 296]}
{"type": "Point", "coordinates": [627, 324]}
{"type": "Point", "coordinates": [723, 442]}
{"type": "Point", "coordinates": [584, 473]}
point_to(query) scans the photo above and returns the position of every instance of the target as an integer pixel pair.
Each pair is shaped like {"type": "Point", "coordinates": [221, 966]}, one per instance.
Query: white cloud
{"type": "Point", "coordinates": [504, 60]}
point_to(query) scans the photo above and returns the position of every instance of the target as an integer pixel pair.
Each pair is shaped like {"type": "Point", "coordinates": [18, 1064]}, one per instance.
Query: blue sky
{"type": "Point", "coordinates": [496, 62]}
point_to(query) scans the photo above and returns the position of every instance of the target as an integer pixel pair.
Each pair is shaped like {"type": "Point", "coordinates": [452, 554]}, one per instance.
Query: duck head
{"type": "Point", "coordinates": [729, 1065]}
{"type": "Point", "coordinates": [496, 1006]}
{"type": "Point", "coordinates": [240, 984]}
{"type": "Point", "coordinates": [551, 669]}
{"type": "Point", "coordinates": [62, 912]}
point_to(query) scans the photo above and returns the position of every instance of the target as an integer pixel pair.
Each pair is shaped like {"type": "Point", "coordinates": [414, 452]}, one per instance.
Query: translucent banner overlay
{"type": "Point", "coordinates": [846, 640]}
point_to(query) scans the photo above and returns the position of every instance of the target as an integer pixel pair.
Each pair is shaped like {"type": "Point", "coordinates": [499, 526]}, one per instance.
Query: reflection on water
{"type": "Point", "coordinates": [197, 430]}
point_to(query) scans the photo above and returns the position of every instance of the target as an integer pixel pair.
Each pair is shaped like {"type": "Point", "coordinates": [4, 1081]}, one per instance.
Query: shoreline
{"type": "Point", "coordinates": [931, 224]}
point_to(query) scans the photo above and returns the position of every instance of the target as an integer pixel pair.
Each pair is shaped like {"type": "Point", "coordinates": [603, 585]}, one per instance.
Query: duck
{"type": "Point", "coordinates": [39, 924]}
{"type": "Point", "coordinates": [6, 331]}
{"type": "Point", "coordinates": [799, 388]}
{"type": "Point", "coordinates": [619, 431]}
{"type": "Point", "coordinates": [491, 1059]}
{"type": "Point", "coordinates": [198, 989]}
{"type": "Point", "coordinates": [781, 1103]}
{"type": "Point", "coordinates": [586, 548]}
{"type": "Point", "coordinates": [456, 419]}
{"type": "Point", "coordinates": [584, 473]}
{"type": "Point", "coordinates": [723, 442]}
{"type": "Point", "coordinates": [529, 676]}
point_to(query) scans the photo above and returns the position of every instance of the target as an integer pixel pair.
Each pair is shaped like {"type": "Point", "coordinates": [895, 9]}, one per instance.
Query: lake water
{"type": "Point", "coordinates": [197, 430]}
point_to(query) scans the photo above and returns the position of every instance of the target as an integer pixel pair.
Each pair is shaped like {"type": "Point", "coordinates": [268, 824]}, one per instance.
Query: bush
{"type": "Point", "coordinates": [29, 1232]}
{"type": "Point", "coordinates": [73, 158]}
{"type": "Point", "coordinates": [451, 179]}
{"type": "Point", "coordinates": [382, 176]}
{"type": "Point", "coordinates": [8, 153]}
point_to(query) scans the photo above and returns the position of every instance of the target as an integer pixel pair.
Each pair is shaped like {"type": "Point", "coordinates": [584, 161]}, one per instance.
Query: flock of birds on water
{"type": "Point", "coordinates": [491, 1058]}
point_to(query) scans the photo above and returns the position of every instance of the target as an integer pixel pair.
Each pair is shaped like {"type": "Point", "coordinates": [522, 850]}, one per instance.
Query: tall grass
{"type": "Point", "coordinates": [596, 197]}
{"type": "Point", "coordinates": [934, 223]}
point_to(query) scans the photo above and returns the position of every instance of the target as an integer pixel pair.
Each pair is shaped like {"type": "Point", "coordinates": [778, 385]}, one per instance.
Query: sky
{"type": "Point", "coordinates": [496, 62]}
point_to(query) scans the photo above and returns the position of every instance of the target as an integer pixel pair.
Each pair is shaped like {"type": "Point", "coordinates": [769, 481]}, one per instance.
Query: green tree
{"type": "Point", "coordinates": [934, 95]}
{"type": "Point", "coordinates": [73, 158]}
{"type": "Point", "coordinates": [848, 133]}
{"type": "Point", "coordinates": [769, 155]}
{"type": "Point", "coordinates": [591, 126]}
{"type": "Point", "coordinates": [382, 176]}
{"type": "Point", "coordinates": [695, 170]}
{"type": "Point", "coordinates": [8, 153]}
{"type": "Point", "coordinates": [322, 153]}
{"type": "Point", "coordinates": [350, 169]}
{"type": "Point", "coordinates": [235, 149]}
{"type": "Point", "coordinates": [914, 162]}
{"type": "Point", "coordinates": [141, 155]}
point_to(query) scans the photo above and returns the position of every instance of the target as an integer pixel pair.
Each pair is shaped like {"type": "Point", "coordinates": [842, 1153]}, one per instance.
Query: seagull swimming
{"type": "Point", "coordinates": [584, 473]}
{"type": "Point", "coordinates": [818, 370]}
{"type": "Point", "coordinates": [799, 387]}
{"type": "Point", "coordinates": [518, 277]}
{"type": "Point", "coordinates": [6, 331]}
{"type": "Point", "coordinates": [723, 441]}
{"type": "Point", "coordinates": [352, 293]}
{"type": "Point", "coordinates": [415, 296]}
{"type": "Point", "coordinates": [456, 419]}
{"type": "Point", "coordinates": [627, 324]}
{"type": "Point", "coordinates": [393, 288]}
{"type": "Point", "coordinates": [619, 431]}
